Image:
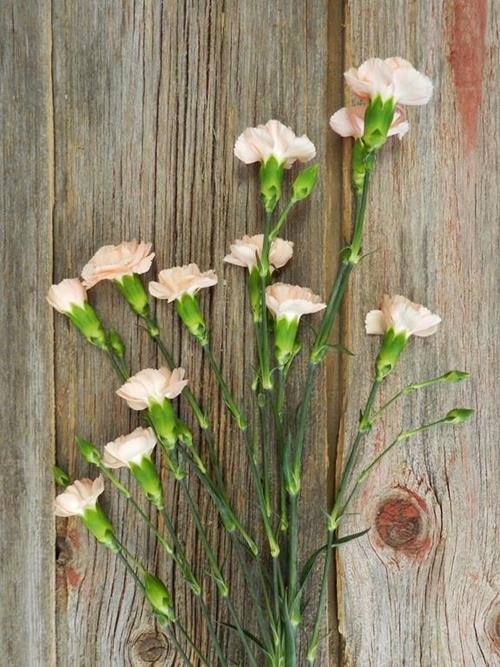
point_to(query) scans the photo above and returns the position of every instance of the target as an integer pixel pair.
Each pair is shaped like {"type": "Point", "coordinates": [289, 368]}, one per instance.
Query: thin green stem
{"type": "Point", "coordinates": [191, 643]}
{"type": "Point", "coordinates": [228, 399]}
{"type": "Point", "coordinates": [265, 447]}
{"type": "Point", "coordinates": [364, 426]}
{"type": "Point", "coordinates": [281, 220]}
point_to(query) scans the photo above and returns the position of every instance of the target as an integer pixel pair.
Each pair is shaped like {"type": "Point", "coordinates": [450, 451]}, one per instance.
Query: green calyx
{"type": "Point", "coordinates": [147, 475]}
{"type": "Point", "coordinates": [96, 521]}
{"type": "Point", "coordinates": [132, 288]}
{"type": "Point", "coordinates": [254, 292]}
{"type": "Point", "coordinates": [158, 596]}
{"type": "Point", "coordinates": [89, 451]}
{"type": "Point", "coordinates": [116, 343]}
{"type": "Point", "coordinates": [189, 311]}
{"type": "Point", "coordinates": [271, 180]}
{"type": "Point", "coordinates": [362, 163]}
{"type": "Point", "coordinates": [458, 416]}
{"type": "Point", "coordinates": [61, 477]}
{"type": "Point", "coordinates": [164, 422]}
{"type": "Point", "coordinates": [378, 118]}
{"type": "Point", "coordinates": [86, 320]}
{"type": "Point", "coordinates": [393, 344]}
{"type": "Point", "coordinates": [285, 339]}
{"type": "Point", "coordinates": [305, 183]}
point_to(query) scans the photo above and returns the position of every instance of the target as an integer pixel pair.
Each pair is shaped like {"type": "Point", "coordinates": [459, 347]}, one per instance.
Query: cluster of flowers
{"type": "Point", "coordinates": [384, 86]}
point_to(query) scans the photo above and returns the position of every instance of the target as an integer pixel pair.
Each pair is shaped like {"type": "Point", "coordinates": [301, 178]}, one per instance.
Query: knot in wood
{"type": "Point", "coordinates": [150, 647]}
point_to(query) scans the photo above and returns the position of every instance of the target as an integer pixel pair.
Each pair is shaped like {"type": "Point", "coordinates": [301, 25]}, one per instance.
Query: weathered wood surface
{"type": "Point", "coordinates": [118, 121]}
{"type": "Point", "coordinates": [420, 589]}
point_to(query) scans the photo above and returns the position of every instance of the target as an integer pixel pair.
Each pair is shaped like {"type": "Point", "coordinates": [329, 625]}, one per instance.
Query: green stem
{"type": "Point", "coordinates": [265, 373]}
{"type": "Point", "coordinates": [281, 220]}
{"type": "Point", "coordinates": [228, 399]}
{"type": "Point", "coordinates": [265, 446]}
{"type": "Point", "coordinates": [335, 515]}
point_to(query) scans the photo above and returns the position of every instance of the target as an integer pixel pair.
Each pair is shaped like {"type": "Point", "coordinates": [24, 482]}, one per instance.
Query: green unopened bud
{"type": "Point", "coordinates": [271, 180]}
{"type": "Point", "coordinates": [100, 526]}
{"type": "Point", "coordinates": [458, 416]}
{"type": "Point", "coordinates": [132, 288]}
{"type": "Point", "coordinates": [378, 118]}
{"type": "Point", "coordinates": [455, 376]}
{"type": "Point", "coordinates": [393, 344]}
{"type": "Point", "coordinates": [304, 183]}
{"type": "Point", "coordinates": [285, 335]}
{"type": "Point", "coordinates": [190, 313]}
{"type": "Point", "coordinates": [164, 421]}
{"type": "Point", "coordinates": [89, 451]}
{"type": "Point", "coordinates": [86, 320]}
{"type": "Point", "coordinates": [147, 475]}
{"type": "Point", "coordinates": [184, 433]}
{"type": "Point", "coordinates": [60, 476]}
{"type": "Point", "coordinates": [116, 343]}
{"type": "Point", "coordinates": [158, 596]}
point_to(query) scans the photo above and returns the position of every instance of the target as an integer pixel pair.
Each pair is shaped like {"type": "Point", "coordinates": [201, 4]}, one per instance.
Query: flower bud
{"type": "Point", "coordinates": [60, 476]}
{"type": "Point", "coordinates": [89, 452]}
{"type": "Point", "coordinates": [392, 345]}
{"type": "Point", "coordinates": [305, 182]}
{"type": "Point", "coordinates": [184, 433]}
{"type": "Point", "coordinates": [133, 290]}
{"type": "Point", "coordinates": [378, 118]}
{"type": "Point", "coordinates": [455, 376]}
{"type": "Point", "coordinates": [189, 311]}
{"type": "Point", "coordinates": [116, 343]}
{"type": "Point", "coordinates": [458, 416]}
{"type": "Point", "coordinates": [158, 596]}
{"type": "Point", "coordinates": [271, 179]}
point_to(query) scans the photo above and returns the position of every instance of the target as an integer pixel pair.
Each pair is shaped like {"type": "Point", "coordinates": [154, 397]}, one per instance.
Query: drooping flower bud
{"type": "Point", "coordinates": [116, 343]}
{"type": "Point", "coordinates": [89, 451]}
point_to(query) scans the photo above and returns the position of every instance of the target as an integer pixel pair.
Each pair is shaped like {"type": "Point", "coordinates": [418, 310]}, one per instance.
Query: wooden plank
{"type": "Point", "coordinates": [27, 631]}
{"type": "Point", "coordinates": [149, 98]}
{"type": "Point", "coordinates": [420, 588]}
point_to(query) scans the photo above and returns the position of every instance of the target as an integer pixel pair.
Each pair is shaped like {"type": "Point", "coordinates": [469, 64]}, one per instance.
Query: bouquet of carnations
{"type": "Point", "coordinates": [272, 432]}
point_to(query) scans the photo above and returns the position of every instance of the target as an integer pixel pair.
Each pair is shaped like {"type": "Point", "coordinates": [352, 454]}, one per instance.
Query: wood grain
{"type": "Point", "coordinates": [119, 121]}
{"type": "Point", "coordinates": [420, 589]}
{"type": "Point", "coordinates": [27, 624]}
{"type": "Point", "coordinates": [149, 98]}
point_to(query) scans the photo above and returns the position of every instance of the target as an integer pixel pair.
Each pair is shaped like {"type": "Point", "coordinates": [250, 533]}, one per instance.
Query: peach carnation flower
{"type": "Point", "coordinates": [244, 252]}
{"type": "Point", "coordinates": [394, 78]}
{"type": "Point", "coordinates": [152, 384]}
{"type": "Point", "coordinates": [350, 122]}
{"type": "Point", "coordinates": [112, 262]}
{"type": "Point", "coordinates": [292, 301]}
{"type": "Point", "coordinates": [131, 448]}
{"type": "Point", "coordinates": [401, 315]}
{"type": "Point", "coordinates": [258, 144]}
{"type": "Point", "coordinates": [179, 280]}
{"type": "Point", "coordinates": [78, 497]}
{"type": "Point", "coordinates": [68, 292]}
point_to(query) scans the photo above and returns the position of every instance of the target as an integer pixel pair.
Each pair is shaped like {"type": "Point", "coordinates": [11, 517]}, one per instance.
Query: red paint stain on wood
{"type": "Point", "coordinates": [467, 63]}
{"type": "Point", "coordinates": [73, 577]}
